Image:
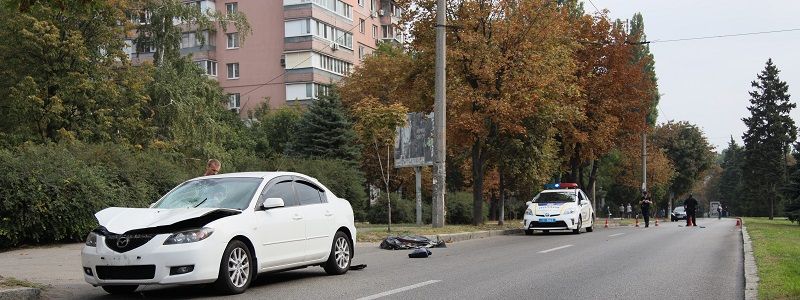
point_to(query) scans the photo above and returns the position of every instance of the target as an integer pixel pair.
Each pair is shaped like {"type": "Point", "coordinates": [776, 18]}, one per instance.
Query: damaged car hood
{"type": "Point", "coordinates": [121, 220]}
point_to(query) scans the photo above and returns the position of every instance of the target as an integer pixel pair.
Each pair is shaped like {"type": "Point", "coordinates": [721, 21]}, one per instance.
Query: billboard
{"type": "Point", "coordinates": [413, 144]}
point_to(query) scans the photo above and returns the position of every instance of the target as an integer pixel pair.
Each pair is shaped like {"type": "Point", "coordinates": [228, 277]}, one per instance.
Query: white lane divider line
{"type": "Point", "coordinates": [616, 234]}
{"type": "Point", "coordinates": [402, 289]}
{"type": "Point", "coordinates": [556, 248]}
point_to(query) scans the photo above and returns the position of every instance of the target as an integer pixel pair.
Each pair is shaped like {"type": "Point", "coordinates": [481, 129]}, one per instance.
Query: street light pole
{"type": "Point", "coordinates": [439, 119]}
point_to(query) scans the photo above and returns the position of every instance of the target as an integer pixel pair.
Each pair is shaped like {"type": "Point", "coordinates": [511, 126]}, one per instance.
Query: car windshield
{"type": "Point", "coordinates": [555, 197]}
{"type": "Point", "coordinates": [234, 193]}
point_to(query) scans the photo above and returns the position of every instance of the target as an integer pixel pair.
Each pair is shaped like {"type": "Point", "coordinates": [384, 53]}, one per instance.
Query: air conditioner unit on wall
{"type": "Point", "coordinates": [334, 46]}
{"type": "Point", "coordinates": [373, 14]}
{"type": "Point", "coordinates": [380, 12]}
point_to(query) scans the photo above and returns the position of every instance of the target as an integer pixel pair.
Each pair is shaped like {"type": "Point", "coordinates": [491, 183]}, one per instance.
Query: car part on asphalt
{"type": "Point", "coordinates": [358, 267]}
{"type": "Point", "coordinates": [420, 253]}
{"type": "Point", "coordinates": [410, 242]}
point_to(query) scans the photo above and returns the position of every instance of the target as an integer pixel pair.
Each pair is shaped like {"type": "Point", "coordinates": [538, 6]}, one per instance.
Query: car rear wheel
{"type": "Point", "coordinates": [580, 223]}
{"type": "Point", "coordinates": [120, 289]}
{"type": "Point", "coordinates": [341, 251]}
{"type": "Point", "coordinates": [235, 272]}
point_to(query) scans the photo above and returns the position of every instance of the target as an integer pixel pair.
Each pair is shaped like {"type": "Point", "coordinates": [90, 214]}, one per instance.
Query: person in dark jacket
{"type": "Point", "coordinates": [645, 204]}
{"type": "Point", "coordinates": [690, 205]}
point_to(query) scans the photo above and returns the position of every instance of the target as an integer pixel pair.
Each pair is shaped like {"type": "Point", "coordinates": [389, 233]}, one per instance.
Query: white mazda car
{"type": "Point", "coordinates": [221, 229]}
{"type": "Point", "coordinates": [559, 207]}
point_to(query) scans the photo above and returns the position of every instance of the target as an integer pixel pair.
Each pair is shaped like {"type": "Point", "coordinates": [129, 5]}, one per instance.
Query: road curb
{"type": "Point", "coordinates": [750, 270]}
{"type": "Point", "coordinates": [463, 236]}
{"type": "Point", "coordinates": [20, 294]}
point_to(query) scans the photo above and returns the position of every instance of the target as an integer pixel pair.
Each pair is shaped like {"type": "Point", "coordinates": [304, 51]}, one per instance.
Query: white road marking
{"type": "Point", "coordinates": [556, 248]}
{"type": "Point", "coordinates": [402, 289]}
{"type": "Point", "coordinates": [616, 234]}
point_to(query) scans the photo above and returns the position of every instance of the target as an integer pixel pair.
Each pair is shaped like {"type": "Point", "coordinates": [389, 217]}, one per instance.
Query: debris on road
{"type": "Point", "coordinates": [410, 242]}
{"type": "Point", "coordinates": [358, 267]}
{"type": "Point", "coordinates": [420, 253]}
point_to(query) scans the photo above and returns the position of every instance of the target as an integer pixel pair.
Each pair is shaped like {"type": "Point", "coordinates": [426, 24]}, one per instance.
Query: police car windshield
{"type": "Point", "coordinates": [555, 197]}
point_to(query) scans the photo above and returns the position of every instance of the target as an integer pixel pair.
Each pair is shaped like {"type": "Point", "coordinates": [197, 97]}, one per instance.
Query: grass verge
{"type": "Point", "coordinates": [776, 247]}
{"type": "Point", "coordinates": [378, 232]}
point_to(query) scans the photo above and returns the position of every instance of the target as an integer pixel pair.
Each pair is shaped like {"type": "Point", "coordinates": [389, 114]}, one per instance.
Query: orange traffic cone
{"type": "Point", "coordinates": [637, 220]}
{"type": "Point", "coordinates": [656, 220]}
{"type": "Point", "coordinates": [606, 226]}
{"type": "Point", "coordinates": [689, 221]}
{"type": "Point", "coordinates": [738, 222]}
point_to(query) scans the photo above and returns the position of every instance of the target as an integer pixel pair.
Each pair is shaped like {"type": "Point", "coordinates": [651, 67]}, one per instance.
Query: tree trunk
{"type": "Point", "coordinates": [493, 207]}
{"type": "Point", "coordinates": [477, 184]}
{"type": "Point", "coordinates": [501, 219]}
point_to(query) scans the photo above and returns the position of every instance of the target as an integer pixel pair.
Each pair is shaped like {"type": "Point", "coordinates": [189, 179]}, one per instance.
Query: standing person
{"type": "Point", "coordinates": [212, 167]}
{"type": "Point", "coordinates": [622, 211]}
{"type": "Point", "coordinates": [719, 212]}
{"type": "Point", "coordinates": [630, 211]}
{"type": "Point", "coordinates": [690, 205]}
{"type": "Point", "coordinates": [645, 205]}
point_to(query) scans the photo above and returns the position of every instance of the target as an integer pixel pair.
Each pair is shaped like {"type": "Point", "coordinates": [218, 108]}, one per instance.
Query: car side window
{"type": "Point", "coordinates": [580, 196]}
{"type": "Point", "coordinates": [307, 193]}
{"type": "Point", "coordinates": [283, 190]}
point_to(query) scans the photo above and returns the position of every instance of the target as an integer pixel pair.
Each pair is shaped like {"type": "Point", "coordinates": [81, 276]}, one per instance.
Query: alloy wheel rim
{"type": "Point", "coordinates": [238, 267]}
{"type": "Point", "coordinates": [342, 252]}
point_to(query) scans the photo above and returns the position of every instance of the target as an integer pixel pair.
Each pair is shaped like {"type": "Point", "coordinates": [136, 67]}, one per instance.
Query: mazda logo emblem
{"type": "Point", "coordinates": [545, 214]}
{"type": "Point", "coordinates": [122, 242]}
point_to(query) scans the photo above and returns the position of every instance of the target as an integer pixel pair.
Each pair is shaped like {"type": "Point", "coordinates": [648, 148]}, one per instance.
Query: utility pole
{"type": "Point", "coordinates": [644, 161]}
{"type": "Point", "coordinates": [439, 119]}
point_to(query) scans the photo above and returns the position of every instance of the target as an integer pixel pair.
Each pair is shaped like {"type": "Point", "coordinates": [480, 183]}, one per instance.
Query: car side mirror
{"type": "Point", "coordinates": [584, 202]}
{"type": "Point", "coordinates": [528, 203]}
{"type": "Point", "coordinates": [272, 203]}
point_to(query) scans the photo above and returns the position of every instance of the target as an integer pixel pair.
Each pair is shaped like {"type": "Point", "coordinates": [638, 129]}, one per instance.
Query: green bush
{"type": "Point", "coordinates": [403, 210]}
{"type": "Point", "coordinates": [459, 208]}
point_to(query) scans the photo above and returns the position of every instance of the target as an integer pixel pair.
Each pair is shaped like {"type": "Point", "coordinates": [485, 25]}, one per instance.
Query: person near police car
{"type": "Point", "coordinates": [690, 205]}
{"type": "Point", "coordinates": [645, 204]}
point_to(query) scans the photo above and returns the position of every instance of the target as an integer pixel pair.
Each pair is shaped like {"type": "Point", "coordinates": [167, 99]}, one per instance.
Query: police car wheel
{"type": "Point", "coordinates": [578, 229]}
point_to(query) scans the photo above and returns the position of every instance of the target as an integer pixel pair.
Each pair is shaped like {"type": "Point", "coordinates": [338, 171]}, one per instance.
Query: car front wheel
{"type": "Point", "coordinates": [341, 251]}
{"type": "Point", "coordinates": [235, 272]}
{"type": "Point", "coordinates": [591, 228]}
{"type": "Point", "coordinates": [120, 289]}
{"type": "Point", "coordinates": [578, 229]}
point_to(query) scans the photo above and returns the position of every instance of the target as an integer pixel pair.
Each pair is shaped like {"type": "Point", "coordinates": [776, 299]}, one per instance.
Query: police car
{"type": "Point", "coordinates": [561, 206]}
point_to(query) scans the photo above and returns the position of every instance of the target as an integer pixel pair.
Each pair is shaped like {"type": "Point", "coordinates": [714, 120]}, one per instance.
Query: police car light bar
{"type": "Point", "coordinates": [563, 185]}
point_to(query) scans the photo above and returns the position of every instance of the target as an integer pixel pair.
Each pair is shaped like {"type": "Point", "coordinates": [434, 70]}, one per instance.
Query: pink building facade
{"type": "Point", "coordinates": [296, 47]}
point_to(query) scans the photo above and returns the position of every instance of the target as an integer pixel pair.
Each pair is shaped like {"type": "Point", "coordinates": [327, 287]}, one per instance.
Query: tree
{"type": "Point", "coordinates": [791, 190]}
{"type": "Point", "coordinates": [730, 182]}
{"type": "Point", "coordinates": [274, 130]}
{"type": "Point", "coordinates": [770, 130]}
{"type": "Point", "coordinates": [645, 59]}
{"type": "Point", "coordinates": [507, 62]}
{"type": "Point", "coordinates": [325, 131]}
{"type": "Point", "coordinates": [688, 150]}
{"type": "Point", "coordinates": [63, 74]}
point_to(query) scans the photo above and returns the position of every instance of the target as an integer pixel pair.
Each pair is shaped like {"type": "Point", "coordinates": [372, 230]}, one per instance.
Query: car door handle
{"type": "Point", "coordinates": [297, 217]}
{"type": "Point", "coordinates": [328, 213]}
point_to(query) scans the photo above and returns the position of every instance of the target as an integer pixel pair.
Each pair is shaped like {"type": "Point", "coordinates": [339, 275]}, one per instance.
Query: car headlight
{"type": "Point", "coordinates": [528, 212]}
{"type": "Point", "coordinates": [91, 239]}
{"type": "Point", "coordinates": [569, 211]}
{"type": "Point", "coordinates": [189, 236]}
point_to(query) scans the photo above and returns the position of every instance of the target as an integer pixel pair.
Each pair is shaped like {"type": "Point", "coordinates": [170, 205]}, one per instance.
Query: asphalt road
{"type": "Point", "coordinates": [665, 262]}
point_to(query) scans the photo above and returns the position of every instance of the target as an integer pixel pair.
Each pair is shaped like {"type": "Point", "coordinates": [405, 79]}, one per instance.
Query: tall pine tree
{"type": "Point", "coordinates": [769, 133]}
{"type": "Point", "coordinates": [325, 131]}
{"type": "Point", "coordinates": [792, 190]}
{"type": "Point", "coordinates": [730, 183]}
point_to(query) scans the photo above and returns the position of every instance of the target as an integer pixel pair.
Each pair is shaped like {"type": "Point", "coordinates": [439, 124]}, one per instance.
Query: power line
{"type": "Point", "coordinates": [595, 7]}
{"type": "Point", "coordinates": [723, 36]}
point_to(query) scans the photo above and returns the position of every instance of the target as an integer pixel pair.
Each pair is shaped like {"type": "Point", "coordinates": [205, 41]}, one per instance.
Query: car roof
{"type": "Point", "coordinates": [560, 191]}
{"type": "Point", "coordinates": [267, 175]}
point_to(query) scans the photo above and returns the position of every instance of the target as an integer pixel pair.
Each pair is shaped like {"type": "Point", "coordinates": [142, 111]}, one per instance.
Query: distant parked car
{"type": "Point", "coordinates": [679, 213]}
{"type": "Point", "coordinates": [221, 229]}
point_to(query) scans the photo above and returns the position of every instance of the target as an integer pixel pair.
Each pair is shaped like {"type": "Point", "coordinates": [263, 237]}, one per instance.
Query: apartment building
{"type": "Point", "coordinates": [296, 47]}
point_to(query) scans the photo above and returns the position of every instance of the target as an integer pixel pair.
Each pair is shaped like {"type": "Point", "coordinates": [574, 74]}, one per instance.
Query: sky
{"type": "Point", "coordinates": [706, 82]}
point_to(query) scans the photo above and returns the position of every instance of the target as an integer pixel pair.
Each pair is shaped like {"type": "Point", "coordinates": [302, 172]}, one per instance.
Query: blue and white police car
{"type": "Point", "coordinates": [561, 206]}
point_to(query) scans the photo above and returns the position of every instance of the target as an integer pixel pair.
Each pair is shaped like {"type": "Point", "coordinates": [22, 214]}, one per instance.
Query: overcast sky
{"type": "Point", "coordinates": [706, 82]}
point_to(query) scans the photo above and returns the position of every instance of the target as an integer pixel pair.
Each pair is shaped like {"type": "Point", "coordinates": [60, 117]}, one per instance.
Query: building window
{"type": "Point", "coordinates": [208, 66]}
{"type": "Point", "coordinates": [233, 71]}
{"type": "Point", "coordinates": [362, 25]}
{"type": "Point", "coordinates": [234, 101]}
{"type": "Point", "coordinates": [233, 40]}
{"type": "Point", "coordinates": [372, 5]}
{"type": "Point", "coordinates": [387, 31]}
{"type": "Point", "coordinates": [374, 31]}
{"type": "Point", "coordinates": [232, 7]}
{"type": "Point", "coordinates": [337, 6]}
{"type": "Point", "coordinates": [361, 3]}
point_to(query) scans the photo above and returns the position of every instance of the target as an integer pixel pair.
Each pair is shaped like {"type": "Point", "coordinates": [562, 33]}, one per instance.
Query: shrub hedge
{"type": "Point", "coordinates": [50, 193]}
